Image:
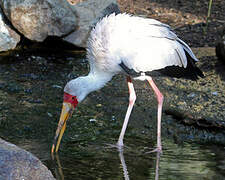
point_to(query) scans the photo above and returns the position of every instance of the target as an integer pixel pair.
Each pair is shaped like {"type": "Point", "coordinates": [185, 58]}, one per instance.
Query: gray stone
{"type": "Point", "coordinates": [37, 19]}
{"type": "Point", "coordinates": [88, 13]}
{"type": "Point", "coordinates": [16, 163]}
{"type": "Point", "coordinates": [8, 37]}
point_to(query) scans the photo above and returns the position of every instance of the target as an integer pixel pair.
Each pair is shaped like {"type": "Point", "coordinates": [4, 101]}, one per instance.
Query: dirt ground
{"type": "Point", "coordinates": [187, 18]}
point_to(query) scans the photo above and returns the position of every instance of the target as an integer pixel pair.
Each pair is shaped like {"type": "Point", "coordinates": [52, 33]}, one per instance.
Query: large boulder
{"type": "Point", "coordinates": [89, 12]}
{"type": "Point", "coordinates": [16, 163]}
{"type": "Point", "coordinates": [38, 19]}
{"type": "Point", "coordinates": [8, 37]}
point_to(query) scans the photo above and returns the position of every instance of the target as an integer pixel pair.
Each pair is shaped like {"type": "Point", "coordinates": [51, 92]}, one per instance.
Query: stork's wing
{"type": "Point", "coordinates": [182, 62]}
{"type": "Point", "coordinates": [160, 30]}
{"type": "Point", "coordinates": [157, 46]}
{"type": "Point", "coordinates": [138, 43]}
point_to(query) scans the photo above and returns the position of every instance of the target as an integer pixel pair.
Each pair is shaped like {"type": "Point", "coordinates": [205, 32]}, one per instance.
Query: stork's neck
{"type": "Point", "coordinates": [92, 82]}
{"type": "Point", "coordinates": [97, 80]}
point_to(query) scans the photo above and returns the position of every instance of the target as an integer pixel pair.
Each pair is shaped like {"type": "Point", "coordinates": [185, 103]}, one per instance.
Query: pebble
{"type": "Point", "coordinates": [191, 95]}
{"type": "Point", "coordinates": [57, 86]}
{"type": "Point", "coordinates": [113, 118]}
{"type": "Point", "coordinates": [92, 120]}
{"type": "Point", "coordinates": [49, 114]}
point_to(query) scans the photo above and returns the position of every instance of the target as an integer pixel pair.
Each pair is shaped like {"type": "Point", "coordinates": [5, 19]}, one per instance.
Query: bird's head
{"type": "Point", "coordinates": [74, 93]}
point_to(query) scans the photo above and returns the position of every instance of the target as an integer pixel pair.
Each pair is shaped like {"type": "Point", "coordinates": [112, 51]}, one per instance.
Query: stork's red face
{"type": "Point", "coordinates": [69, 103]}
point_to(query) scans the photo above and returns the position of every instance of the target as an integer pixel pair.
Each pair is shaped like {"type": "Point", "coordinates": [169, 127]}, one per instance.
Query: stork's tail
{"type": "Point", "coordinates": [187, 49]}
{"type": "Point", "coordinates": [192, 70]}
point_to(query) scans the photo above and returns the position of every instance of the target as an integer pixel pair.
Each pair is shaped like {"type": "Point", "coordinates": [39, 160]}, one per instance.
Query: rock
{"type": "Point", "coordinates": [16, 163]}
{"type": "Point", "coordinates": [8, 37]}
{"type": "Point", "coordinates": [88, 13]}
{"type": "Point", "coordinates": [38, 19]}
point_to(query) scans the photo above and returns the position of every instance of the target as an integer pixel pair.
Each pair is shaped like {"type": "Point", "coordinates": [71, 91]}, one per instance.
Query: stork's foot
{"type": "Point", "coordinates": [117, 146]}
{"type": "Point", "coordinates": [158, 150]}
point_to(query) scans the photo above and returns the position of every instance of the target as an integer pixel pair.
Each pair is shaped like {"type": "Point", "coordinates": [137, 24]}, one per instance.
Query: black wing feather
{"type": "Point", "coordinates": [190, 72]}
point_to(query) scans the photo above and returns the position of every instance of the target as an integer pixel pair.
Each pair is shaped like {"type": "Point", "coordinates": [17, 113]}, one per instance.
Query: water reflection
{"type": "Point", "coordinates": [188, 161]}
{"type": "Point", "coordinates": [157, 166]}
{"type": "Point", "coordinates": [124, 166]}
{"type": "Point", "coordinates": [58, 168]}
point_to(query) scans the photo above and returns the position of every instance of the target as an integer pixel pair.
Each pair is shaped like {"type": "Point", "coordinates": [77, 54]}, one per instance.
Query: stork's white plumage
{"type": "Point", "coordinates": [131, 45]}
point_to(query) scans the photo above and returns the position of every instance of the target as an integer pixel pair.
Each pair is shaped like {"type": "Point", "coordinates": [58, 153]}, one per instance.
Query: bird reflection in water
{"type": "Point", "coordinates": [59, 168]}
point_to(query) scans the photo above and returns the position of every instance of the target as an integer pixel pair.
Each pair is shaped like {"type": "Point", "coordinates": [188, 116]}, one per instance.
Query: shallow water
{"type": "Point", "coordinates": [31, 88]}
{"type": "Point", "coordinates": [189, 161]}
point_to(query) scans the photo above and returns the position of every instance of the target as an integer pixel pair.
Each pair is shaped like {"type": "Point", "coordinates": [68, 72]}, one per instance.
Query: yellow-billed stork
{"type": "Point", "coordinates": [133, 46]}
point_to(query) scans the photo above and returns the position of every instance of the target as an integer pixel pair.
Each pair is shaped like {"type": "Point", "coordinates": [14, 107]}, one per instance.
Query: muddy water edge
{"type": "Point", "coordinates": [193, 123]}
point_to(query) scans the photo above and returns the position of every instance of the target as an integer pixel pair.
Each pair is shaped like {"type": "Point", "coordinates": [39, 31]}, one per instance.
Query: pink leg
{"type": "Point", "coordinates": [132, 99]}
{"type": "Point", "coordinates": [159, 97]}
